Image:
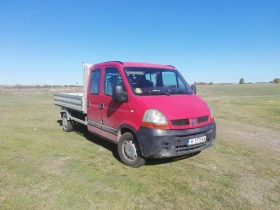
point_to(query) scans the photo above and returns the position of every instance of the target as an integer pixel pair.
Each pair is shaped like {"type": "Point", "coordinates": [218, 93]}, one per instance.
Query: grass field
{"type": "Point", "coordinates": [41, 167]}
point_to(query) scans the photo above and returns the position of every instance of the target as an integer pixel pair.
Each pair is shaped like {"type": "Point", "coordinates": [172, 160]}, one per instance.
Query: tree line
{"type": "Point", "coordinates": [276, 80]}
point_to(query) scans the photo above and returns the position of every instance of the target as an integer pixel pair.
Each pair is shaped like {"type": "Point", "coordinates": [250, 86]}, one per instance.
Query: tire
{"type": "Point", "coordinates": [129, 151]}
{"type": "Point", "coordinates": [67, 125]}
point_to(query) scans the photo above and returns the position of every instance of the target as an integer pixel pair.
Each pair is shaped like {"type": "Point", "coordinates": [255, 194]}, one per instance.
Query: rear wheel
{"type": "Point", "coordinates": [67, 125]}
{"type": "Point", "coordinates": [129, 151]}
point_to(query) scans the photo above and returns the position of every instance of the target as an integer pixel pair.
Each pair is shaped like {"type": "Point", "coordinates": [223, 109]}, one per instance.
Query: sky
{"type": "Point", "coordinates": [46, 41]}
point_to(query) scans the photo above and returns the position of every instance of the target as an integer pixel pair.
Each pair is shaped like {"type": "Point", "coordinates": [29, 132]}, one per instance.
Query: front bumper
{"type": "Point", "coordinates": [156, 143]}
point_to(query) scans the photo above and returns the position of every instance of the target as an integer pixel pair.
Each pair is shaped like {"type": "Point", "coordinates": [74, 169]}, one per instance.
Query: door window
{"type": "Point", "coordinates": [111, 79]}
{"type": "Point", "coordinates": [171, 79]}
{"type": "Point", "coordinates": [95, 82]}
{"type": "Point", "coordinates": [168, 78]}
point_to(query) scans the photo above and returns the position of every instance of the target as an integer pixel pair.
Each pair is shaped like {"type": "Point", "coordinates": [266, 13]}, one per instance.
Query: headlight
{"type": "Point", "coordinates": [153, 118]}
{"type": "Point", "coordinates": [211, 112]}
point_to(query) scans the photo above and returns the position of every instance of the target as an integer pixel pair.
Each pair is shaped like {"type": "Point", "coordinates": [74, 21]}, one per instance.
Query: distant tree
{"type": "Point", "coordinates": [276, 80]}
{"type": "Point", "coordinates": [241, 81]}
{"type": "Point", "coordinates": [211, 83]}
{"type": "Point", "coordinates": [201, 83]}
{"type": "Point", "coordinates": [195, 83]}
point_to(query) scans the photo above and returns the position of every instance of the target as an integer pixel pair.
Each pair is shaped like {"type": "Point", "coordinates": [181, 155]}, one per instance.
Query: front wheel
{"type": "Point", "coordinates": [129, 151]}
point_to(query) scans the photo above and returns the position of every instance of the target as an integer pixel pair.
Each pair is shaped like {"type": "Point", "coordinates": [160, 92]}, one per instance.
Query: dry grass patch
{"type": "Point", "coordinates": [55, 165]}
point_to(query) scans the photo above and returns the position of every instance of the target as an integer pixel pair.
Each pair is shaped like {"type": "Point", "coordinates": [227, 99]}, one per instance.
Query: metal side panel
{"type": "Point", "coordinates": [69, 100]}
{"type": "Point", "coordinates": [75, 101]}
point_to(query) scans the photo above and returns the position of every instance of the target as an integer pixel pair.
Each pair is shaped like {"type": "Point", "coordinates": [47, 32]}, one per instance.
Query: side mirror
{"type": "Point", "coordinates": [119, 94]}
{"type": "Point", "coordinates": [193, 87]}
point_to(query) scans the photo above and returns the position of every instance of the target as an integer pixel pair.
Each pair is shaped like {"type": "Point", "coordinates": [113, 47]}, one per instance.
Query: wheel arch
{"type": "Point", "coordinates": [125, 128]}
{"type": "Point", "coordinates": [67, 111]}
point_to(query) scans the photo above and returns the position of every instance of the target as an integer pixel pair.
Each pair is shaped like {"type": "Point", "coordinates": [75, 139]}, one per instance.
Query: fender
{"type": "Point", "coordinates": [129, 125]}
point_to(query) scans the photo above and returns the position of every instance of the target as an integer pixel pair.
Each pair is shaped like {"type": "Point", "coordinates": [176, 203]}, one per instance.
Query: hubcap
{"type": "Point", "coordinates": [130, 150]}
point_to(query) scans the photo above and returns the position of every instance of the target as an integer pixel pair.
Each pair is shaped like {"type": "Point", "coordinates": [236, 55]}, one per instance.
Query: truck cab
{"type": "Point", "coordinates": [148, 110]}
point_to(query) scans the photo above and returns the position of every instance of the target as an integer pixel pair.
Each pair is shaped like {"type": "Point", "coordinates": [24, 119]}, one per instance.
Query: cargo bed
{"type": "Point", "coordinates": [75, 101]}
{"type": "Point", "coordinates": [72, 101]}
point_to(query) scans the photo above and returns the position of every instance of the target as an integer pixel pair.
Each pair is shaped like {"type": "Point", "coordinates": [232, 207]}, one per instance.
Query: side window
{"type": "Point", "coordinates": [169, 78]}
{"type": "Point", "coordinates": [111, 79]}
{"type": "Point", "coordinates": [181, 84]}
{"type": "Point", "coordinates": [95, 82]}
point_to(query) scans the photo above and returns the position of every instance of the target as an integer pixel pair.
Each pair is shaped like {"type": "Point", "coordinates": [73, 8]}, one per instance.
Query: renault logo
{"type": "Point", "coordinates": [194, 122]}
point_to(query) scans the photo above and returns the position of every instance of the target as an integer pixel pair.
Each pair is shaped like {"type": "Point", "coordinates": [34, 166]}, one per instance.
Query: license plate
{"type": "Point", "coordinates": [196, 140]}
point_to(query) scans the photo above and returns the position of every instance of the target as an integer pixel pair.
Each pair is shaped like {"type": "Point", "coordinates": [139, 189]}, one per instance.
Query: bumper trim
{"type": "Point", "coordinates": [156, 143]}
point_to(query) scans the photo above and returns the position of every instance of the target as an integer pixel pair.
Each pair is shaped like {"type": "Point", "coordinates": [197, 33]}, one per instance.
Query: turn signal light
{"type": "Point", "coordinates": [155, 126]}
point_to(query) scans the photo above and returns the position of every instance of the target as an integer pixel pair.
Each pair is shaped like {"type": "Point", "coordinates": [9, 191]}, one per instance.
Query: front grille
{"type": "Point", "coordinates": [202, 119]}
{"type": "Point", "coordinates": [180, 122]}
{"type": "Point", "coordinates": [184, 122]}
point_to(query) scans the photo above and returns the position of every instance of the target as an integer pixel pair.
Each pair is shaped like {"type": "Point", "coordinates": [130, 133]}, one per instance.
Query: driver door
{"type": "Point", "coordinates": [113, 114]}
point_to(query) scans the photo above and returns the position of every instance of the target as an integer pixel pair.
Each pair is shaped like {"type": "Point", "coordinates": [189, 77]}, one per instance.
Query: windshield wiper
{"type": "Point", "coordinates": [165, 93]}
{"type": "Point", "coordinates": [154, 92]}
{"type": "Point", "coordinates": [181, 91]}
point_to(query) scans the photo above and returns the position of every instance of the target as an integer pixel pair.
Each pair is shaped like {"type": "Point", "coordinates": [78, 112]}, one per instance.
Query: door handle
{"type": "Point", "coordinates": [101, 106]}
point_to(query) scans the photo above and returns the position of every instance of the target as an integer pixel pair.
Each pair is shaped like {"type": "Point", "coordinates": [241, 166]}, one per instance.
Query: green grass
{"type": "Point", "coordinates": [259, 111]}
{"type": "Point", "coordinates": [252, 104]}
{"type": "Point", "coordinates": [249, 90]}
{"type": "Point", "coordinates": [44, 168]}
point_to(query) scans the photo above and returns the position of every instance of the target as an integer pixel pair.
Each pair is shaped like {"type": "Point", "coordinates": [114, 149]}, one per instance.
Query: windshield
{"type": "Point", "coordinates": [154, 81]}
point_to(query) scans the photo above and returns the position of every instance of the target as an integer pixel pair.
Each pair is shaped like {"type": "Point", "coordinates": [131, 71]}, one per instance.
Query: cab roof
{"type": "Point", "coordinates": [136, 64]}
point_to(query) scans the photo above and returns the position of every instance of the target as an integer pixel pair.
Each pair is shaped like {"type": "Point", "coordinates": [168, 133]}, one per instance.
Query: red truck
{"type": "Point", "coordinates": [147, 110]}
